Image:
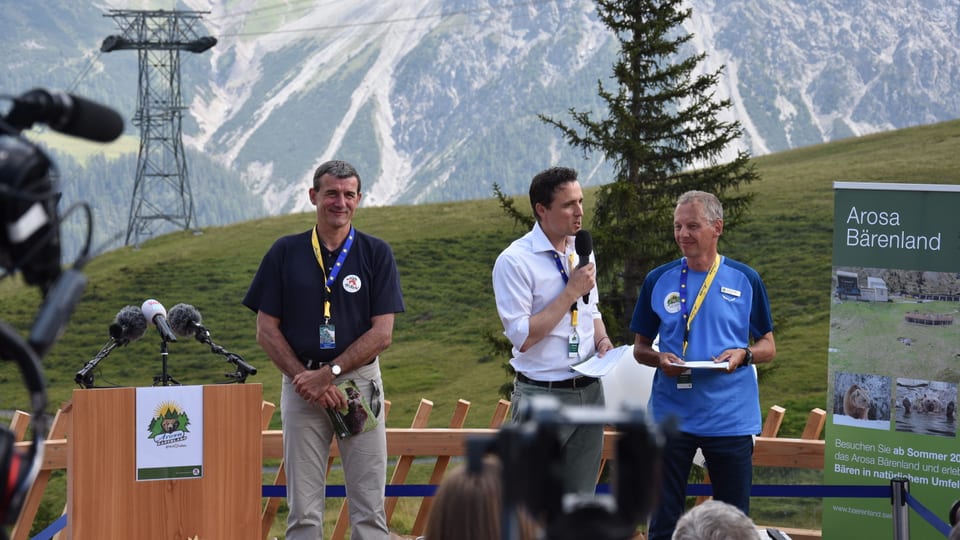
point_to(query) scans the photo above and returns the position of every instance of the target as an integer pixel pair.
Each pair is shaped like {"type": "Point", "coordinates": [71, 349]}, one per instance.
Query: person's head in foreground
{"type": "Point", "coordinates": [468, 506]}
{"type": "Point", "coordinates": [714, 520]}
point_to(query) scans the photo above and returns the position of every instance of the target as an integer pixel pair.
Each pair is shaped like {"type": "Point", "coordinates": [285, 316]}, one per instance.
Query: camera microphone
{"type": "Point", "coordinates": [66, 113]}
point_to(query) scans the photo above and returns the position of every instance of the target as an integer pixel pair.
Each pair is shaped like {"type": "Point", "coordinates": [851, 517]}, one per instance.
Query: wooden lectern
{"type": "Point", "coordinates": [105, 500]}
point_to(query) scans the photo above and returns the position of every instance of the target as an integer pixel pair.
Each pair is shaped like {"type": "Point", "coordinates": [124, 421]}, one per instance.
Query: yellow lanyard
{"type": "Point", "coordinates": [700, 296]}
{"type": "Point", "coordinates": [329, 280]}
{"type": "Point", "coordinates": [574, 312]}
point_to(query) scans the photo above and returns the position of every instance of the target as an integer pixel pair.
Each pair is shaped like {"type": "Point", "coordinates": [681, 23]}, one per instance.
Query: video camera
{"type": "Point", "coordinates": [30, 244]}
{"type": "Point", "coordinates": [533, 471]}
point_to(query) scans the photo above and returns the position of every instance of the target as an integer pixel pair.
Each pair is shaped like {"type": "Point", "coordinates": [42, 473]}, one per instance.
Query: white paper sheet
{"type": "Point", "coordinates": [703, 364]}
{"type": "Point", "coordinates": [597, 366]}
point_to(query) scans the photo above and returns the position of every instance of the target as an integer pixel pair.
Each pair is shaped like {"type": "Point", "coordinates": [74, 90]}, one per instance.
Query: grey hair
{"type": "Point", "coordinates": [712, 208]}
{"type": "Point", "coordinates": [715, 520]}
{"type": "Point", "coordinates": [337, 168]}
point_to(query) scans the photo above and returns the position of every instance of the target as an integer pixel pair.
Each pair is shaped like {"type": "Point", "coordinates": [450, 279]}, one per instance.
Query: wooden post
{"type": "Point", "coordinates": [440, 467]}
{"type": "Point", "coordinates": [815, 421]}
{"type": "Point", "coordinates": [499, 414]}
{"type": "Point", "coordinates": [774, 419]}
{"type": "Point", "coordinates": [21, 530]}
{"type": "Point", "coordinates": [404, 462]}
{"type": "Point", "coordinates": [270, 508]}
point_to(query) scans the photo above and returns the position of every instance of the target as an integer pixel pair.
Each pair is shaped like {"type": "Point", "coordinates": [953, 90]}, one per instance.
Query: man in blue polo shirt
{"type": "Point", "coordinates": [325, 301]}
{"type": "Point", "coordinates": [706, 309]}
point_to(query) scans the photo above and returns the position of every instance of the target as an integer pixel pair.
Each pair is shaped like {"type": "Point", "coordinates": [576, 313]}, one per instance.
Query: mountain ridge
{"type": "Point", "coordinates": [437, 100]}
{"type": "Point", "coordinates": [828, 68]}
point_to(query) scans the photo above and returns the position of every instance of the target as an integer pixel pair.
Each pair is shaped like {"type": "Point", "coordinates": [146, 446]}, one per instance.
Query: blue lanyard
{"type": "Point", "coordinates": [331, 279]}
{"type": "Point", "coordinates": [563, 273]}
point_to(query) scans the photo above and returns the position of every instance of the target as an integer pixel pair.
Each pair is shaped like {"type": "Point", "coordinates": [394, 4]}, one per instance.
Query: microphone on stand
{"type": "Point", "coordinates": [185, 320]}
{"type": "Point", "coordinates": [129, 325]}
{"type": "Point", "coordinates": [157, 314]}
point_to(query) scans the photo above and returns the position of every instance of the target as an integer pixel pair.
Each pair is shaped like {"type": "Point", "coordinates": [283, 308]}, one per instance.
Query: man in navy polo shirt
{"type": "Point", "coordinates": [325, 301]}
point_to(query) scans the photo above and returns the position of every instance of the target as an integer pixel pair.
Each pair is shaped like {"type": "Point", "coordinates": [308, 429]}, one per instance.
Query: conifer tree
{"type": "Point", "coordinates": [664, 134]}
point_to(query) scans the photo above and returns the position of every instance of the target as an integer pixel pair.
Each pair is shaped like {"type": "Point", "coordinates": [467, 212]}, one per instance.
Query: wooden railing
{"type": "Point", "coordinates": [806, 452]}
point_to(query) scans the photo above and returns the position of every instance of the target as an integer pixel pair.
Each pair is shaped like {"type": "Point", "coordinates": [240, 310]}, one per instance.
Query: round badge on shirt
{"type": "Point", "coordinates": [671, 302]}
{"type": "Point", "coordinates": [352, 283]}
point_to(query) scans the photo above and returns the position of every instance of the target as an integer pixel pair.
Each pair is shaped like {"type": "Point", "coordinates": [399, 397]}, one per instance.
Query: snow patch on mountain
{"type": "Point", "coordinates": [446, 78]}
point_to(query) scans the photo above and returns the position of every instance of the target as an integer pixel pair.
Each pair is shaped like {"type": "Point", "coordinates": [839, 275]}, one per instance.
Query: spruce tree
{"type": "Point", "coordinates": [664, 135]}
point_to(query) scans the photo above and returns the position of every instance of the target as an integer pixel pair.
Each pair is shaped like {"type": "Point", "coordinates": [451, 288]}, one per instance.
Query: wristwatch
{"type": "Point", "coordinates": [748, 359]}
{"type": "Point", "coordinates": [335, 369]}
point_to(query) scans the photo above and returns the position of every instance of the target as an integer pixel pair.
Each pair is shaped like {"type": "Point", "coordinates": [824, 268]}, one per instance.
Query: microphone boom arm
{"type": "Point", "coordinates": [84, 378]}
{"type": "Point", "coordinates": [243, 368]}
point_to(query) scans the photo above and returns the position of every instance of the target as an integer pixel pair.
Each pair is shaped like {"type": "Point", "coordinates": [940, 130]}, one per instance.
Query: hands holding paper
{"type": "Point", "coordinates": [601, 363]}
{"type": "Point", "coordinates": [645, 352]}
{"type": "Point", "coordinates": [716, 363]}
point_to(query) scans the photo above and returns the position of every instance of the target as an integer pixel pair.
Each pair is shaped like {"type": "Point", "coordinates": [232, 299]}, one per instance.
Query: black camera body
{"type": "Point", "coordinates": [30, 239]}
{"type": "Point", "coordinates": [533, 470]}
{"type": "Point", "coordinates": [30, 244]}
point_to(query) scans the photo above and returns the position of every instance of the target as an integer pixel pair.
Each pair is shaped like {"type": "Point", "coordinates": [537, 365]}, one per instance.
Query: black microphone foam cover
{"type": "Point", "coordinates": [583, 243]}
{"type": "Point", "coordinates": [184, 320]}
{"type": "Point", "coordinates": [584, 246]}
{"type": "Point", "coordinates": [68, 114]}
{"type": "Point", "coordinates": [129, 324]}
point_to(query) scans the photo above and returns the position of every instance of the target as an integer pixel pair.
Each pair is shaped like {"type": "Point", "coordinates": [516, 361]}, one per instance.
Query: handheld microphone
{"type": "Point", "coordinates": [129, 325]}
{"type": "Point", "coordinates": [157, 314]}
{"type": "Point", "coordinates": [583, 243]}
{"type": "Point", "coordinates": [66, 113]}
{"type": "Point", "coordinates": [186, 320]}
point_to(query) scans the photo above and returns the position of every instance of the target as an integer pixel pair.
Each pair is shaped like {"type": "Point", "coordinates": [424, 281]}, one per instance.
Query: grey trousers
{"type": "Point", "coordinates": [307, 434]}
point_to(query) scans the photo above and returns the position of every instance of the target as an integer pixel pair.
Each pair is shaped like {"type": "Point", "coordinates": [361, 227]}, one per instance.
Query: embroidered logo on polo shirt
{"type": "Point", "coordinates": [671, 302]}
{"type": "Point", "coordinates": [352, 283]}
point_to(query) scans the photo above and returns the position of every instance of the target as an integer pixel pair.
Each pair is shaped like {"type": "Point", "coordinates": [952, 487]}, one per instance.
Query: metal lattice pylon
{"type": "Point", "coordinates": [161, 192]}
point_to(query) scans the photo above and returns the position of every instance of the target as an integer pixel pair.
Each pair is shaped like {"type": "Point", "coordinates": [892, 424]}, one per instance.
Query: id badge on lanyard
{"type": "Point", "coordinates": [573, 343]}
{"type": "Point", "coordinates": [328, 336]}
{"type": "Point", "coordinates": [685, 379]}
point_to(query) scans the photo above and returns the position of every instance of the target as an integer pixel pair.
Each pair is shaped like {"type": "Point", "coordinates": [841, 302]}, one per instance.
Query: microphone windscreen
{"type": "Point", "coordinates": [129, 325]}
{"type": "Point", "coordinates": [183, 319]}
{"type": "Point", "coordinates": [91, 121]}
{"type": "Point", "coordinates": [68, 114]}
{"type": "Point", "coordinates": [583, 244]}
